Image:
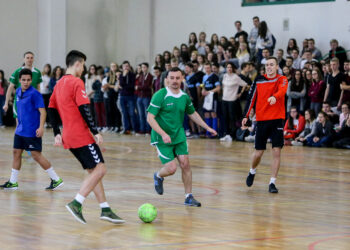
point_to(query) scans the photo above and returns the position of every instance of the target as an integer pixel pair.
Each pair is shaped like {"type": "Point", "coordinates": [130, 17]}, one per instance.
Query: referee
{"type": "Point", "coordinates": [267, 96]}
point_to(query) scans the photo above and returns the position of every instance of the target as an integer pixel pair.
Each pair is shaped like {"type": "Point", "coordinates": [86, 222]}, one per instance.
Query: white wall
{"type": "Point", "coordinates": [322, 21]}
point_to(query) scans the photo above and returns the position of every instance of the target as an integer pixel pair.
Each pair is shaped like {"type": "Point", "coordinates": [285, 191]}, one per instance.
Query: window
{"type": "Point", "coordinates": [270, 2]}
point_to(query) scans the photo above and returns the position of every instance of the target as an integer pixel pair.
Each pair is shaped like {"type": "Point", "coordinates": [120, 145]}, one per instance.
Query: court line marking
{"type": "Point", "coordinates": [312, 245]}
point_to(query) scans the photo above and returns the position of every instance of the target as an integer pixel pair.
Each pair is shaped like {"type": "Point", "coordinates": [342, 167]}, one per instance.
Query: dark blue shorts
{"type": "Point", "coordinates": [27, 143]}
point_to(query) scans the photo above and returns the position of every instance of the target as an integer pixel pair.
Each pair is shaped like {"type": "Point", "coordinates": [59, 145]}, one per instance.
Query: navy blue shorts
{"type": "Point", "coordinates": [272, 129]}
{"type": "Point", "coordinates": [27, 143]}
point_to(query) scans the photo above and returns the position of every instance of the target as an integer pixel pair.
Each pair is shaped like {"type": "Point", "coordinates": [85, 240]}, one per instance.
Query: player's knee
{"type": "Point", "coordinates": [171, 168]}
{"type": "Point", "coordinates": [17, 152]}
{"type": "Point", "coordinates": [101, 170]}
{"type": "Point", "coordinates": [258, 153]}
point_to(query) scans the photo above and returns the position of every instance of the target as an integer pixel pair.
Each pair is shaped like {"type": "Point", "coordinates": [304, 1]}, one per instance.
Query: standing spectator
{"type": "Point", "coordinates": [3, 88]}
{"type": "Point", "coordinates": [184, 54]}
{"type": "Point", "coordinates": [90, 78]}
{"type": "Point", "coordinates": [316, 91]}
{"type": "Point", "coordinates": [253, 36]}
{"type": "Point", "coordinates": [166, 56]}
{"type": "Point", "coordinates": [214, 42]}
{"type": "Point", "coordinates": [100, 110]}
{"type": "Point", "coordinates": [264, 40]}
{"type": "Point", "coordinates": [240, 32]}
{"type": "Point", "coordinates": [192, 39]}
{"type": "Point", "coordinates": [338, 52]}
{"type": "Point", "coordinates": [333, 90]}
{"type": "Point", "coordinates": [164, 74]}
{"type": "Point", "coordinates": [159, 62]}
{"type": "Point", "coordinates": [292, 45]}
{"type": "Point", "coordinates": [201, 62]}
{"type": "Point", "coordinates": [144, 88]}
{"type": "Point", "coordinates": [324, 132]}
{"type": "Point", "coordinates": [242, 54]}
{"type": "Point", "coordinates": [45, 90]}
{"type": "Point", "coordinates": [293, 126]}
{"type": "Point", "coordinates": [265, 55]}
{"type": "Point", "coordinates": [280, 59]}
{"type": "Point", "coordinates": [230, 100]}
{"type": "Point", "coordinates": [126, 95]}
{"type": "Point", "coordinates": [310, 124]}
{"type": "Point", "coordinates": [316, 53]}
{"type": "Point", "coordinates": [296, 92]}
{"type": "Point", "coordinates": [156, 79]}
{"type": "Point", "coordinates": [200, 46]}
{"type": "Point", "coordinates": [305, 46]}
{"type": "Point", "coordinates": [57, 73]}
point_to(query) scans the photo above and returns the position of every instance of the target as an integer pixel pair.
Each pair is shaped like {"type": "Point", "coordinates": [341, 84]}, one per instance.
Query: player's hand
{"type": "Point", "coordinates": [39, 132]}
{"type": "Point", "coordinates": [5, 107]}
{"type": "Point", "coordinates": [212, 131]}
{"type": "Point", "coordinates": [99, 139]}
{"type": "Point", "coordinates": [244, 121]}
{"type": "Point", "coordinates": [58, 140]}
{"type": "Point", "coordinates": [166, 138]}
{"type": "Point", "coordinates": [204, 92]}
{"type": "Point", "coordinates": [272, 100]}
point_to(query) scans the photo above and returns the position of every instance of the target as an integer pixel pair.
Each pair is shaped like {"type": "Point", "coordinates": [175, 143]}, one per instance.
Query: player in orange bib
{"type": "Point", "coordinates": [70, 102]}
{"type": "Point", "coordinates": [267, 96]}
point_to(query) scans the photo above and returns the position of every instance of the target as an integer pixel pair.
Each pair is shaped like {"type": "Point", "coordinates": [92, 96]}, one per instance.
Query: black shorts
{"type": "Point", "coordinates": [89, 156]}
{"type": "Point", "coordinates": [27, 143]}
{"type": "Point", "coordinates": [269, 129]}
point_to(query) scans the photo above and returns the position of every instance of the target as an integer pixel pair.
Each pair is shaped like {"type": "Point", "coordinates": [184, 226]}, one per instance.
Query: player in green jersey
{"type": "Point", "coordinates": [166, 115]}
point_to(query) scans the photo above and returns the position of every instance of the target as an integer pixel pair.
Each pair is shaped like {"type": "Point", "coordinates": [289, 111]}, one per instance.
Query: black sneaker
{"type": "Point", "coordinates": [250, 179]}
{"type": "Point", "coordinates": [190, 201]}
{"type": "Point", "coordinates": [9, 186]}
{"type": "Point", "coordinates": [75, 209]}
{"type": "Point", "coordinates": [55, 184]}
{"type": "Point", "coordinates": [158, 184]}
{"type": "Point", "coordinates": [273, 189]}
{"type": "Point", "coordinates": [108, 215]}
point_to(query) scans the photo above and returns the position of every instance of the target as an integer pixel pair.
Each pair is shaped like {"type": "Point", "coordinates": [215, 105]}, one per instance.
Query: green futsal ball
{"type": "Point", "coordinates": [147, 212]}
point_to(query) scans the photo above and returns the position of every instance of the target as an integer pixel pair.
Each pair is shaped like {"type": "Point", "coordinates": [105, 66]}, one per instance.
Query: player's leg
{"type": "Point", "coordinates": [12, 183]}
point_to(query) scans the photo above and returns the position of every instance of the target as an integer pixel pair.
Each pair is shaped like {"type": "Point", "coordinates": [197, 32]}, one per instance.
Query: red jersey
{"type": "Point", "coordinates": [68, 94]}
{"type": "Point", "coordinates": [263, 88]}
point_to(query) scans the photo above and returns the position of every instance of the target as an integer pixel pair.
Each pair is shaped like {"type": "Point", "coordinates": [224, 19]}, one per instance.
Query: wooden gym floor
{"type": "Point", "coordinates": [312, 210]}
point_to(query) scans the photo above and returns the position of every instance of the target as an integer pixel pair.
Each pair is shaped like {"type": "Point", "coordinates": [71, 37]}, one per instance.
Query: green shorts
{"type": "Point", "coordinates": [14, 108]}
{"type": "Point", "coordinates": [167, 153]}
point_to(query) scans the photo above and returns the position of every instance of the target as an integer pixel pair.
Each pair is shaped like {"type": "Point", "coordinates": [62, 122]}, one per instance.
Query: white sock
{"type": "Point", "coordinates": [14, 175]}
{"type": "Point", "coordinates": [252, 170]}
{"type": "Point", "coordinates": [188, 195]}
{"type": "Point", "coordinates": [52, 174]}
{"type": "Point", "coordinates": [272, 180]}
{"type": "Point", "coordinates": [158, 175]}
{"type": "Point", "coordinates": [79, 198]}
{"type": "Point", "coordinates": [104, 204]}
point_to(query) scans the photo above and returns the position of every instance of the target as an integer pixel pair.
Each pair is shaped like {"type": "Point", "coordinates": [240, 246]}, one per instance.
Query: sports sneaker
{"type": "Point", "coordinates": [108, 215]}
{"type": "Point", "coordinates": [190, 201]}
{"type": "Point", "coordinates": [297, 143]}
{"type": "Point", "coordinates": [55, 184]}
{"type": "Point", "coordinates": [250, 179]}
{"type": "Point", "coordinates": [158, 184]}
{"type": "Point", "coordinates": [273, 189]}
{"type": "Point", "coordinates": [9, 186]}
{"type": "Point", "coordinates": [75, 209]}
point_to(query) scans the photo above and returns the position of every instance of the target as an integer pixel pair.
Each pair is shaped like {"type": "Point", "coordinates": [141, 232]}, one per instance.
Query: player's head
{"type": "Point", "coordinates": [25, 78]}
{"type": "Point", "coordinates": [76, 60]}
{"type": "Point", "coordinates": [28, 59]}
{"type": "Point", "coordinates": [271, 66]}
{"type": "Point", "coordinates": [207, 68]}
{"type": "Point", "coordinates": [174, 78]}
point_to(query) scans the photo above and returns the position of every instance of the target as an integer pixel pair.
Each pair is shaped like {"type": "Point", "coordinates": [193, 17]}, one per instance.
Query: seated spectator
{"type": "Point", "coordinates": [333, 117]}
{"type": "Point", "coordinates": [166, 56]}
{"type": "Point", "coordinates": [307, 59]}
{"type": "Point", "coordinates": [344, 115]}
{"type": "Point", "coordinates": [316, 91]}
{"type": "Point", "coordinates": [323, 134]}
{"type": "Point", "coordinates": [194, 55]}
{"type": "Point", "coordinates": [158, 62]}
{"type": "Point", "coordinates": [192, 39]}
{"type": "Point", "coordinates": [200, 46]}
{"type": "Point", "coordinates": [292, 45]}
{"type": "Point", "coordinates": [242, 54]}
{"type": "Point", "coordinates": [264, 40]}
{"type": "Point", "coordinates": [251, 128]}
{"type": "Point", "coordinates": [316, 53]}
{"type": "Point", "coordinates": [345, 85]}
{"type": "Point", "coordinates": [342, 138]}
{"type": "Point", "coordinates": [296, 59]}
{"type": "Point", "coordinates": [293, 126]}
{"type": "Point", "coordinates": [265, 54]}
{"type": "Point", "coordinates": [305, 46]}
{"type": "Point", "coordinates": [310, 122]}
{"type": "Point", "coordinates": [224, 42]}
{"type": "Point", "coordinates": [212, 58]}
{"type": "Point", "coordinates": [286, 73]}
{"type": "Point", "coordinates": [296, 92]}
{"type": "Point", "coordinates": [338, 52]}
{"type": "Point", "coordinates": [280, 59]}
{"type": "Point", "coordinates": [201, 62]}
{"type": "Point", "coordinates": [214, 42]}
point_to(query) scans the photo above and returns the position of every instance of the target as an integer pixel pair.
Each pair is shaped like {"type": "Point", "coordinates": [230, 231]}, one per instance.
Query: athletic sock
{"type": "Point", "coordinates": [208, 121]}
{"type": "Point", "coordinates": [14, 175]}
{"type": "Point", "coordinates": [188, 195]}
{"type": "Point", "coordinates": [272, 180]}
{"type": "Point", "coordinates": [104, 204]}
{"type": "Point", "coordinates": [79, 198]}
{"type": "Point", "coordinates": [215, 124]}
{"type": "Point", "coordinates": [158, 175]}
{"type": "Point", "coordinates": [52, 174]}
{"type": "Point", "coordinates": [252, 170]}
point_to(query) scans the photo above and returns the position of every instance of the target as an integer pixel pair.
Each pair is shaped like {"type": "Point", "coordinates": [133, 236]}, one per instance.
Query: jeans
{"type": "Point", "coordinates": [2, 102]}
{"type": "Point", "coordinates": [128, 110]}
{"type": "Point", "coordinates": [324, 141]}
{"type": "Point", "coordinates": [142, 105]}
{"type": "Point", "coordinates": [315, 106]}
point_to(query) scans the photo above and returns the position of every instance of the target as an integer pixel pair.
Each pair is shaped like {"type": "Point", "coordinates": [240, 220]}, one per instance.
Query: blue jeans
{"type": "Point", "coordinates": [324, 141]}
{"type": "Point", "coordinates": [2, 102]}
{"type": "Point", "coordinates": [142, 105]}
{"type": "Point", "coordinates": [128, 110]}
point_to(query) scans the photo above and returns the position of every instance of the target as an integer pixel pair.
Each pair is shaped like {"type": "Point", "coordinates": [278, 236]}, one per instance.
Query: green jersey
{"type": "Point", "coordinates": [36, 77]}
{"type": "Point", "coordinates": [169, 110]}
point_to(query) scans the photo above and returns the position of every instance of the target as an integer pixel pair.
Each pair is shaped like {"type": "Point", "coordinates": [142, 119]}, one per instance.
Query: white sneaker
{"type": "Point", "coordinates": [104, 130]}
{"type": "Point", "coordinates": [297, 143]}
{"type": "Point", "coordinates": [223, 138]}
{"type": "Point", "coordinates": [226, 138]}
{"type": "Point", "coordinates": [249, 138]}
{"type": "Point", "coordinates": [188, 133]}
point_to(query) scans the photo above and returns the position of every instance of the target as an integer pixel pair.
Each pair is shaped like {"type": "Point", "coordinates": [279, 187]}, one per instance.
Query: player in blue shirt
{"type": "Point", "coordinates": [210, 85]}
{"type": "Point", "coordinates": [31, 117]}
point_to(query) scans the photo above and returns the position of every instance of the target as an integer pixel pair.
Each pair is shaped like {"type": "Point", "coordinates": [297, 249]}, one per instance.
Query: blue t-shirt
{"type": "Point", "coordinates": [28, 115]}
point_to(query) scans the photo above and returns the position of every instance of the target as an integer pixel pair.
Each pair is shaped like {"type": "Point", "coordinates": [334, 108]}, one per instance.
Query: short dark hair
{"type": "Point", "coordinates": [145, 63]}
{"type": "Point", "coordinates": [311, 39]}
{"type": "Point", "coordinates": [157, 68]}
{"type": "Point", "coordinates": [73, 56]}
{"type": "Point", "coordinates": [256, 17]}
{"type": "Point", "coordinates": [239, 22]}
{"type": "Point", "coordinates": [126, 62]}
{"type": "Point", "coordinates": [189, 64]}
{"type": "Point", "coordinates": [175, 69]}
{"type": "Point", "coordinates": [272, 58]}
{"type": "Point", "coordinates": [28, 52]}
{"type": "Point", "coordinates": [327, 103]}
{"type": "Point", "coordinates": [215, 64]}
{"type": "Point", "coordinates": [245, 64]}
{"type": "Point", "coordinates": [194, 62]}
{"type": "Point", "coordinates": [289, 57]}
{"type": "Point", "coordinates": [25, 72]}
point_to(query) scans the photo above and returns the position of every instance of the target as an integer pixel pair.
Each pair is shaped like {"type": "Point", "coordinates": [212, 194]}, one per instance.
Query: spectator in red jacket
{"type": "Point", "coordinates": [316, 91]}
{"type": "Point", "coordinates": [294, 125]}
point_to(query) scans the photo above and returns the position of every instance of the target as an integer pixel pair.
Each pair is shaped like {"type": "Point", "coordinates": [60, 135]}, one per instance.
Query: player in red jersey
{"type": "Point", "coordinates": [70, 102]}
{"type": "Point", "coordinates": [267, 95]}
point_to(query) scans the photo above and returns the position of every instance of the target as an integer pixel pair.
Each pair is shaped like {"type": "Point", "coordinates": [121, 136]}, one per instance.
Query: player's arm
{"type": "Point", "coordinates": [85, 112]}
{"type": "Point", "coordinates": [281, 91]}
{"type": "Point", "coordinates": [54, 118]}
{"type": "Point", "coordinates": [40, 130]}
{"type": "Point", "coordinates": [155, 126]}
{"type": "Point", "coordinates": [195, 117]}
{"type": "Point", "coordinates": [10, 89]}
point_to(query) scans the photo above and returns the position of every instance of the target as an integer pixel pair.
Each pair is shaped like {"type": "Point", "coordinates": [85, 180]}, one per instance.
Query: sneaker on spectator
{"type": "Point", "coordinates": [104, 130]}
{"type": "Point", "coordinates": [250, 138]}
{"type": "Point", "coordinates": [226, 138]}
{"type": "Point", "coordinates": [115, 129]}
{"type": "Point", "coordinates": [188, 133]}
{"type": "Point", "coordinates": [297, 143]}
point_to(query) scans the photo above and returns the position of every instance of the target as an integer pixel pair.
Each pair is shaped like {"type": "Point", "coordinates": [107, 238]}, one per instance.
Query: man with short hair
{"type": "Point", "coordinates": [70, 102]}
{"type": "Point", "coordinates": [173, 63]}
{"type": "Point", "coordinates": [31, 118]}
{"type": "Point", "coordinates": [281, 61]}
{"type": "Point", "coordinates": [296, 59]}
{"type": "Point", "coordinates": [166, 115]}
{"type": "Point", "coordinates": [253, 36]}
{"type": "Point", "coordinates": [265, 55]}
{"type": "Point", "coordinates": [267, 95]}
{"type": "Point", "coordinates": [238, 25]}
{"type": "Point", "coordinates": [308, 58]}
{"type": "Point", "coordinates": [338, 52]}
{"type": "Point", "coordinates": [156, 79]}
{"type": "Point", "coordinates": [316, 53]}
